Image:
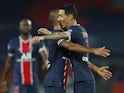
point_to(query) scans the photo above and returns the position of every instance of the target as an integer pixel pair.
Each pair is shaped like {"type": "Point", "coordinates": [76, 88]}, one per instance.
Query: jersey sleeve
{"type": "Point", "coordinates": [78, 35]}
{"type": "Point", "coordinates": [69, 38]}
{"type": "Point", "coordinates": [42, 46]}
{"type": "Point", "coordinates": [10, 48]}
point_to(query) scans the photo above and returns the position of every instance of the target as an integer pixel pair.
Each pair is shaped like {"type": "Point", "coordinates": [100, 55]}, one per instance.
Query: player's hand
{"type": "Point", "coordinates": [103, 72]}
{"type": "Point", "coordinates": [101, 52]}
{"type": "Point", "coordinates": [3, 86]}
{"type": "Point", "coordinates": [43, 31]}
{"type": "Point", "coordinates": [37, 39]}
{"type": "Point", "coordinates": [45, 65]}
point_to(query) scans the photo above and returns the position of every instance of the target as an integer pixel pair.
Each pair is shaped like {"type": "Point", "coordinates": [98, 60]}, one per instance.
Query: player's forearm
{"type": "Point", "coordinates": [81, 49]}
{"type": "Point", "coordinates": [92, 66]}
{"type": "Point", "coordinates": [7, 69]}
{"type": "Point", "coordinates": [44, 59]}
{"type": "Point", "coordinates": [76, 47]}
{"type": "Point", "coordinates": [56, 36]}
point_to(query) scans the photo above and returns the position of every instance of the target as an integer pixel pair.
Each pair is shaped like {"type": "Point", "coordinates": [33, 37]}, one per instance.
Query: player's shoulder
{"type": "Point", "coordinates": [14, 40]}
{"type": "Point", "coordinates": [81, 28]}
{"type": "Point", "coordinates": [77, 28]}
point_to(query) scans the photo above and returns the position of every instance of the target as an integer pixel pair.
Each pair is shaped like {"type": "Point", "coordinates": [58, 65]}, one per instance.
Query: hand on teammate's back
{"type": "Point", "coordinates": [37, 39]}
{"type": "Point", "coordinates": [43, 31]}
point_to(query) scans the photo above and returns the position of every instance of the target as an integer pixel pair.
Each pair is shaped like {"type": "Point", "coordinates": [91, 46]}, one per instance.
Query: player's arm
{"type": "Point", "coordinates": [75, 47]}
{"type": "Point", "coordinates": [102, 71]}
{"type": "Point", "coordinates": [44, 31]}
{"type": "Point", "coordinates": [72, 46]}
{"type": "Point", "coordinates": [52, 36]}
{"type": "Point", "coordinates": [55, 36]}
{"type": "Point", "coordinates": [79, 48]}
{"type": "Point", "coordinates": [44, 56]}
{"type": "Point", "coordinates": [7, 69]}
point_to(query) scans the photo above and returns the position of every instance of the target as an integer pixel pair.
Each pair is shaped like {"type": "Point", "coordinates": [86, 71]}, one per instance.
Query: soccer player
{"type": "Point", "coordinates": [22, 58]}
{"type": "Point", "coordinates": [53, 19]}
{"type": "Point", "coordinates": [55, 77]}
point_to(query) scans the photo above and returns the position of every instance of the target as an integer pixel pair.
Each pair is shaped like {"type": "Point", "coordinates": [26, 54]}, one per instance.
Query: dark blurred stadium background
{"type": "Point", "coordinates": [103, 19]}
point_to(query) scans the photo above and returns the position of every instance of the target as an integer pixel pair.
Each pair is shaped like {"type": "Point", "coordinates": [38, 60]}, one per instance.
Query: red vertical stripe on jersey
{"type": "Point", "coordinates": [66, 73]}
{"type": "Point", "coordinates": [26, 72]}
{"type": "Point", "coordinates": [25, 47]}
{"type": "Point", "coordinates": [26, 66]}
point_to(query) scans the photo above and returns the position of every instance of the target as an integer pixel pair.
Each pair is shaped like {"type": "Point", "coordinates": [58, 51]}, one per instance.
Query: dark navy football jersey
{"type": "Point", "coordinates": [81, 70]}
{"type": "Point", "coordinates": [55, 74]}
{"type": "Point", "coordinates": [25, 65]}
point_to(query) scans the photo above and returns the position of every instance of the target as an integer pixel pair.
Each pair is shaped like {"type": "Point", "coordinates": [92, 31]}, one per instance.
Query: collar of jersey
{"type": "Point", "coordinates": [29, 39]}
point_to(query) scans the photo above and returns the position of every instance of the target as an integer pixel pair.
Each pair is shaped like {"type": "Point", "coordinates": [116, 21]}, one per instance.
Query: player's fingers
{"type": "Point", "coordinates": [107, 76]}
{"type": "Point", "coordinates": [107, 50]}
{"type": "Point", "coordinates": [105, 54]}
{"type": "Point", "coordinates": [106, 71]}
{"type": "Point", "coordinates": [109, 72]}
{"type": "Point", "coordinates": [105, 67]}
{"type": "Point", "coordinates": [37, 39]}
{"type": "Point", "coordinates": [40, 31]}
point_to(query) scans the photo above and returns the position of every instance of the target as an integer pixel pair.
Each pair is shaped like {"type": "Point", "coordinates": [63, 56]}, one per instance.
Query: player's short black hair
{"type": "Point", "coordinates": [70, 9]}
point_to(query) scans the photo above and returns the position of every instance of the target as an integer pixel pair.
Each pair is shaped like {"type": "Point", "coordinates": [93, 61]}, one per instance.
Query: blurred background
{"type": "Point", "coordinates": [103, 19]}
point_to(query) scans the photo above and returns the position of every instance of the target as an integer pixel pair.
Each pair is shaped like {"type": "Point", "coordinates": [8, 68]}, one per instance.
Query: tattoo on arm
{"type": "Point", "coordinates": [57, 36]}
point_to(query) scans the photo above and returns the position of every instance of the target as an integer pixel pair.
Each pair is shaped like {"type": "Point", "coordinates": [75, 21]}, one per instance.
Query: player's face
{"type": "Point", "coordinates": [63, 19]}
{"type": "Point", "coordinates": [25, 27]}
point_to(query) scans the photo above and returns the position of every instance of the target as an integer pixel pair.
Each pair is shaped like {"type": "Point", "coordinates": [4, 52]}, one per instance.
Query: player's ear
{"type": "Point", "coordinates": [70, 17]}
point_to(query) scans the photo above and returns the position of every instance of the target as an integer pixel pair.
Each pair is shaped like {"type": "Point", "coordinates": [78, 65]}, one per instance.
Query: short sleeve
{"type": "Point", "coordinates": [69, 39]}
{"type": "Point", "coordinates": [76, 36]}
{"type": "Point", "coordinates": [42, 46]}
{"type": "Point", "coordinates": [10, 48]}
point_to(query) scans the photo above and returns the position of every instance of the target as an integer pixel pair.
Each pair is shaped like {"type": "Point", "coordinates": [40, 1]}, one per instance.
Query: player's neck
{"type": "Point", "coordinates": [25, 37]}
{"type": "Point", "coordinates": [57, 27]}
{"type": "Point", "coordinates": [72, 23]}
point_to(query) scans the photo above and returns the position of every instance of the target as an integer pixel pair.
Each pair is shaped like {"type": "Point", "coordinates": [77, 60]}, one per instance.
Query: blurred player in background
{"type": "Point", "coordinates": [54, 34]}
{"type": "Point", "coordinates": [22, 57]}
